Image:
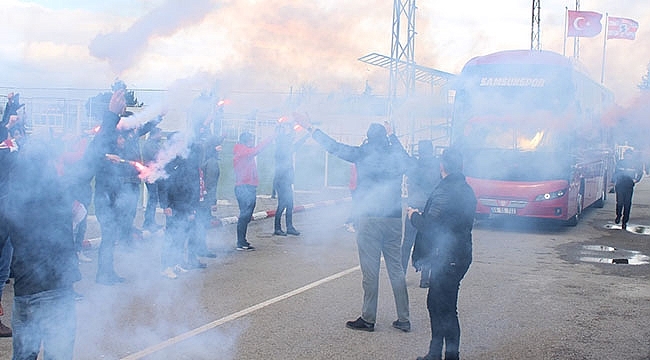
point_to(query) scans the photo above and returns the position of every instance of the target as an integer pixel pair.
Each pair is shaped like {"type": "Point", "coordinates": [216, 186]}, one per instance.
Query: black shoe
{"type": "Point", "coordinates": [279, 232]}
{"type": "Point", "coordinates": [5, 331]}
{"type": "Point", "coordinates": [402, 325]}
{"type": "Point", "coordinates": [207, 254]}
{"type": "Point", "coordinates": [360, 324]}
{"type": "Point", "coordinates": [618, 219]}
{"type": "Point", "coordinates": [109, 279]}
{"type": "Point", "coordinates": [624, 226]}
{"type": "Point", "coordinates": [293, 231]}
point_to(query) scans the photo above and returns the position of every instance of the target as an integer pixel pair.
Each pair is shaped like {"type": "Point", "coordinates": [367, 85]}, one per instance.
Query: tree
{"type": "Point", "coordinates": [645, 80]}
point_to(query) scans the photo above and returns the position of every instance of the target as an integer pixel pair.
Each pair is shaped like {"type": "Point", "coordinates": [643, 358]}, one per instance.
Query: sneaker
{"type": "Point", "coordinates": [293, 231]}
{"type": "Point", "coordinates": [360, 324]}
{"type": "Point", "coordinates": [178, 269]}
{"type": "Point", "coordinates": [279, 232]}
{"type": "Point", "coordinates": [402, 325]}
{"type": "Point", "coordinates": [83, 258]}
{"type": "Point", "coordinates": [246, 248]}
{"type": "Point", "coordinates": [169, 273]}
{"type": "Point", "coordinates": [5, 331]}
{"type": "Point", "coordinates": [78, 296]}
{"type": "Point", "coordinates": [618, 219]}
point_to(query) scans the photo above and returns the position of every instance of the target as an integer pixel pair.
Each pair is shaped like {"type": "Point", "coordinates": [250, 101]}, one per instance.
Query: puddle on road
{"type": "Point", "coordinates": [603, 254]}
{"type": "Point", "coordinates": [633, 228]}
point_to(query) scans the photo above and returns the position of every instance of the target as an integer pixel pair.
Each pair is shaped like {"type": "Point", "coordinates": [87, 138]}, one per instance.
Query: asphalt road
{"type": "Point", "coordinates": [534, 291]}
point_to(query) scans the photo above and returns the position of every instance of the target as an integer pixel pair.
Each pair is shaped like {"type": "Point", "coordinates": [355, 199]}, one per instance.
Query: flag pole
{"type": "Point", "coordinates": [566, 20]}
{"type": "Point", "coordinates": [602, 71]}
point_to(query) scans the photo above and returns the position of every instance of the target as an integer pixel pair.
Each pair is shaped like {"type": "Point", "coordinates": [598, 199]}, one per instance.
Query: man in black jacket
{"type": "Point", "coordinates": [421, 178]}
{"type": "Point", "coordinates": [284, 175]}
{"type": "Point", "coordinates": [100, 161]}
{"type": "Point", "coordinates": [444, 242]}
{"type": "Point", "coordinates": [180, 200]}
{"type": "Point", "coordinates": [37, 216]}
{"type": "Point", "coordinates": [628, 172]}
{"type": "Point", "coordinates": [381, 162]}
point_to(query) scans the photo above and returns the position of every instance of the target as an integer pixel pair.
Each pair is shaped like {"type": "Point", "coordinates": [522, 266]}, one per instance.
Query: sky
{"type": "Point", "coordinates": [276, 45]}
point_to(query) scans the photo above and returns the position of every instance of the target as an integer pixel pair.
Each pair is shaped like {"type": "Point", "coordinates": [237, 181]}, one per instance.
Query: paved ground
{"type": "Point", "coordinates": [530, 294]}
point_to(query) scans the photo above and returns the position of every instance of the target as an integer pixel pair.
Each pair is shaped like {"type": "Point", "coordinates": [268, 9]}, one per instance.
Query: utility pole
{"type": "Point", "coordinates": [535, 35]}
{"type": "Point", "coordinates": [402, 56]}
{"type": "Point", "coordinates": [576, 39]}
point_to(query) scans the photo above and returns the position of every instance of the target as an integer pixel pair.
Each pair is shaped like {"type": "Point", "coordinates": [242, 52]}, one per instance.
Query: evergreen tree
{"type": "Point", "coordinates": [645, 81]}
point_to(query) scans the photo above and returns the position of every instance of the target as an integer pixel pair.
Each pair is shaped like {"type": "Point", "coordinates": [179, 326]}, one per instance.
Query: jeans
{"type": "Point", "coordinates": [6, 254]}
{"type": "Point", "coordinates": [246, 198]}
{"type": "Point", "coordinates": [46, 318]}
{"type": "Point", "coordinates": [442, 300]}
{"type": "Point", "coordinates": [152, 203]}
{"type": "Point", "coordinates": [178, 231]}
{"type": "Point", "coordinates": [624, 201]}
{"type": "Point", "coordinates": [377, 236]}
{"type": "Point", "coordinates": [107, 215]}
{"type": "Point", "coordinates": [127, 206]}
{"type": "Point", "coordinates": [285, 202]}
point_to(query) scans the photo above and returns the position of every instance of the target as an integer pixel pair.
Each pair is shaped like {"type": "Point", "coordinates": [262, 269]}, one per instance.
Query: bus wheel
{"type": "Point", "coordinates": [573, 221]}
{"type": "Point", "coordinates": [600, 203]}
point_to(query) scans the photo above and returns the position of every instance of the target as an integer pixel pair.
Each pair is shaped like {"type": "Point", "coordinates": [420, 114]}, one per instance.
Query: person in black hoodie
{"type": "Point", "coordinates": [444, 243]}
{"type": "Point", "coordinates": [284, 175]}
{"type": "Point", "coordinates": [421, 178]}
{"type": "Point", "coordinates": [180, 200]}
{"type": "Point", "coordinates": [100, 162]}
{"type": "Point", "coordinates": [381, 162]}
{"type": "Point", "coordinates": [38, 218]}
{"type": "Point", "coordinates": [8, 153]}
{"type": "Point", "coordinates": [629, 171]}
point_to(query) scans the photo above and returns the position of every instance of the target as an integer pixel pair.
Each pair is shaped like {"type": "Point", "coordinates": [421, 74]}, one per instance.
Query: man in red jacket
{"type": "Point", "coordinates": [246, 181]}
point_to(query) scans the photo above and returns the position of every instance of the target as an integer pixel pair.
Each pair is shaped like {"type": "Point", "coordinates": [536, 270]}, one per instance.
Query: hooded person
{"type": "Point", "coordinates": [421, 178]}
{"type": "Point", "coordinates": [37, 217]}
{"type": "Point", "coordinates": [381, 162]}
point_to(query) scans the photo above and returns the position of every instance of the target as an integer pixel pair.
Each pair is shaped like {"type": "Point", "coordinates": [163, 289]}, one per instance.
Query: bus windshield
{"type": "Point", "coordinates": [517, 108]}
{"type": "Point", "coordinates": [512, 165]}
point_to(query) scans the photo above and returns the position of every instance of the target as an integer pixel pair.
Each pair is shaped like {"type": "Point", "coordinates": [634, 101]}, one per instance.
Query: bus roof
{"type": "Point", "coordinates": [516, 57]}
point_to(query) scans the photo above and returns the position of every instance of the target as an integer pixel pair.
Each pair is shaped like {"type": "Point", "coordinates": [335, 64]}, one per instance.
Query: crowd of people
{"type": "Point", "coordinates": [181, 176]}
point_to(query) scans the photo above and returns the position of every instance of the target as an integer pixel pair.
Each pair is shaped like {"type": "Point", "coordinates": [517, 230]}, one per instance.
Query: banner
{"type": "Point", "coordinates": [584, 23]}
{"type": "Point", "coordinates": [621, 28]}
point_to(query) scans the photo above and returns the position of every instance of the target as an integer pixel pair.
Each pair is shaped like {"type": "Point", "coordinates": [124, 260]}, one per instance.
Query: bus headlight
{"type": "Point", "coordinates": [550, 195]}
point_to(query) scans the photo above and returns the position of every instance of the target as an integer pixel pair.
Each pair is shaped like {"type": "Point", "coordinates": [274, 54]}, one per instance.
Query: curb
{"type": "Point", "coordinates": [94, 242]}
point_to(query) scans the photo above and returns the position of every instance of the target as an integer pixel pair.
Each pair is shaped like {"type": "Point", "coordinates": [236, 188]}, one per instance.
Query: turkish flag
{"type": "Point", "coordinates": [584, 23]}
{"type": "Point", "coordinates": [621, 28]}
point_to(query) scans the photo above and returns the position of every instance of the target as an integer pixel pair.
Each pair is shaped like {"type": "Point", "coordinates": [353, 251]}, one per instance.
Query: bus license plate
{"type": "Point", "coordinates": [504, 210]}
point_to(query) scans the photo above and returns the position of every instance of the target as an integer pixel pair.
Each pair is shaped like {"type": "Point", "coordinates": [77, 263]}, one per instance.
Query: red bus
{"type": "Point", "coordinates": [530, 126]}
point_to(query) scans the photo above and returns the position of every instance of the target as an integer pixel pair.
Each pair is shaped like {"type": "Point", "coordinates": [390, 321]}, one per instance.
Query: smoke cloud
{"type": "Point", "coordinates": [123, 49]}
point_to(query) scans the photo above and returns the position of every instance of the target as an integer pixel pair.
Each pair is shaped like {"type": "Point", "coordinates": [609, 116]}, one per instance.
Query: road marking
{"type": "Point", "coordinates": [176, 339]}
